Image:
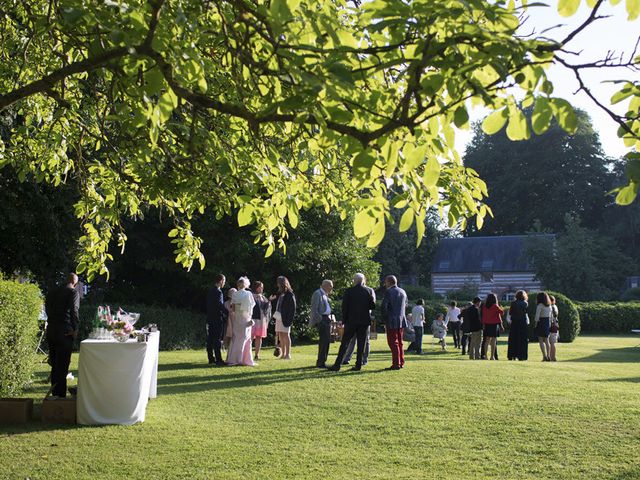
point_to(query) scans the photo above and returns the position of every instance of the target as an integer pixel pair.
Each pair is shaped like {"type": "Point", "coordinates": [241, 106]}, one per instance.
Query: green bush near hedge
{"type": "Point", "coordinates": [613, 317]}
{"type": "Point", "coordinates": [20, 307]}
{"type": "Point", "coordinates": [568, 317]}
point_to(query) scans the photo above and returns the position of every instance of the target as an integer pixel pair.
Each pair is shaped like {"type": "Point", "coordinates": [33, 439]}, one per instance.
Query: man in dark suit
{"type": "Point", "coordinates": [357, 303]}
{"type": "Point", "coordinates": [62, 305]}
{"type": "Point", "coordinates": [216, 315]}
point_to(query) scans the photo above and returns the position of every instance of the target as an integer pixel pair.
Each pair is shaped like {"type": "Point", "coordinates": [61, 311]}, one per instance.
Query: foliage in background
{"type": "Point", "coordinates": [323, 246]}
{"type": "Point", "coordinates": [631, 295]}
{"type": "Point", "coordinates": [259, 110]}
{"type": "Point", "coordinates": [581, 263]}
{"type": "Point", "coordinates": [398, 255]}
{"type": "Point", "coordinates": [611, 317]}
{"type": "Point", "coordinates": [20, 307]}
{"type": "Point", "coordinates": [524, 178]}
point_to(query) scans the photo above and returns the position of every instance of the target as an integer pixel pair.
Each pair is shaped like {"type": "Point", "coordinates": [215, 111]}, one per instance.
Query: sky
{"type": "Point", "coordinates": [615, 33]}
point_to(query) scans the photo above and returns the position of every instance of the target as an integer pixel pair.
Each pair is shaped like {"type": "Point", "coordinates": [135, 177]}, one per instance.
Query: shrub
{"type": "Point", "coordinates": [568, 317]}
{"type": "Point", "coordinates": [179, 329]}
{"type": "Point", "coordinates": [631, 295]}
{"type": "Point", "coordinates": [614, 317]}
{"type": "Point", "coordinates": [20, 307]}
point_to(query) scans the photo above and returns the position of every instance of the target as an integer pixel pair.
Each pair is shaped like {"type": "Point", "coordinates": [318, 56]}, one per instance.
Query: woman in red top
{"type": "Point", "coordinates": [492, 321]}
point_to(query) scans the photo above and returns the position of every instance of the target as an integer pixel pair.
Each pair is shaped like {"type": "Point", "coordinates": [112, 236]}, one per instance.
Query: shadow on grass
{"type": "Point", "coordinates": [612, 355]}
{"type": "Point", "coordinates": [239, 377]}
{"type": "Point", "coordinates": [626, 380]}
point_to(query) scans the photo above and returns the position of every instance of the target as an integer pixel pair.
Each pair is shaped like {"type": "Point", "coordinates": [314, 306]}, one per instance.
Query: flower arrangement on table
{"type": "Point", "coordinates": [120, 324]}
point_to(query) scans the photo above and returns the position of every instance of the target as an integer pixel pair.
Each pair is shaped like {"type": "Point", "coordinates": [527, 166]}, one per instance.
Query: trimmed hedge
{"type": "Point", "coordinates": [568, 317]}
{"type": "Point", "coordinates": [612, 317]}
{"type": "Point", "coordinates": [20, 307]}
{"type": "Point", "coordinates": [179, 329]}
{"type": "Point", "coordinates": [185, 329]}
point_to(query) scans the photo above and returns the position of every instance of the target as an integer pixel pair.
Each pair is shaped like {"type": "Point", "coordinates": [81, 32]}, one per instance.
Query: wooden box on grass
{"type": "Point", "coordinates": [15, 410]}
{"type": "Point", "coordinates": [59, 410]}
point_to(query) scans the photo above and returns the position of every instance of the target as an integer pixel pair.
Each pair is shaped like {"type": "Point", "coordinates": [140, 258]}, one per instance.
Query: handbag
{"type": "Point", "coordinates": [277, 315]}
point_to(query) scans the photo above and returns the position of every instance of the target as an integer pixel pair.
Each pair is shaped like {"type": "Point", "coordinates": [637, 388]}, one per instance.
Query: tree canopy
{"type": "Point", "coordinates": [261, 109]}
{"type": "Point", "coordinates": [543, 178]}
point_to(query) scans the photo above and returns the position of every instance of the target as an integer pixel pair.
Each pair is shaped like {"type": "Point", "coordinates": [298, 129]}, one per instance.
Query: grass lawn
{"type": "Point", "coordinates": [442, 416]}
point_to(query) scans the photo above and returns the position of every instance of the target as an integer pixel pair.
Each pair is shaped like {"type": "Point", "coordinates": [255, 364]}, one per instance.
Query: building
{"type": "Point", "coordinates": [488, 264]}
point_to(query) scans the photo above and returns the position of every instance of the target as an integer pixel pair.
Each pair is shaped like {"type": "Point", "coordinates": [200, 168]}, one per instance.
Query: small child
{"type": "Point", "coordinates": [439, 329]}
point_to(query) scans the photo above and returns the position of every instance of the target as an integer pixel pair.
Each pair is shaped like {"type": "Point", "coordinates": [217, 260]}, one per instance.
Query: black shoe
{"type": "Point", "coordinates": [324, 365]}
{"type": "Point", "coordinates": [221, 363]}
{"type": "Point", "coordinates": [345, 362]}
{"type": "Point", "coordinates": [355, 369]}
{"type": "Point", "coordinates": [393, 367]}
{"type": "Point", "coordinates": [334, 368]}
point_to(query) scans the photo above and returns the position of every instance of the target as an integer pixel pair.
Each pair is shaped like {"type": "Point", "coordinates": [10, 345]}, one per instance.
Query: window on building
{"type": "Point", "coordinates": [486, 265]}
{"type": "Point", "coordinates": [444, 265]}
{"type": "Point", "coordinates": [487, 277]}
{"type": "Point", "coordinates": [634, 284]}
{"type": "Point", "coordinates": [508, 297]}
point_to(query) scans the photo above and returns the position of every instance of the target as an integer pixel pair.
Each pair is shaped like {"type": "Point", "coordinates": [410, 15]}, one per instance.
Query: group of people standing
{"type": "Point", "coordinates": [244, 318]}
{"type": "Point", "coordinates": [478, 325]}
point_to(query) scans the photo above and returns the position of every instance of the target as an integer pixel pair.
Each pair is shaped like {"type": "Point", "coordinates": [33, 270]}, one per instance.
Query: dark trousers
{"type": "Point", "coordinates": [454, 327]}
{"type": "Point", "coordinates": [214, 341]}
{"type": "Point", "coordinates": [416, 345]}
{"type": "Point", "coordinates": [465, 341]}
{"type": "Point", "coordinates": [352, 348]}
{"type": "Point", "coordinates": [324, 329]}
{"type": "Point", "coordinates": [361, 333]}
{"type": "Point", "coordinates": [60, 348]}
{"type": "Point", "coordinates": [394, 340]}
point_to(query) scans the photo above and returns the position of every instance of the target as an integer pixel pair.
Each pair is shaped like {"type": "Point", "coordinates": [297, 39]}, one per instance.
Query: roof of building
{"type": "Point", "coordinates": [483, 254]}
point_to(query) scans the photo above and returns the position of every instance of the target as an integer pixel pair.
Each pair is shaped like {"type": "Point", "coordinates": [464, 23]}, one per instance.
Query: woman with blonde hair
{"type": "Point", "coordinates": [284, 314]}
{"type": "Point", "coordinates": [242, 304]}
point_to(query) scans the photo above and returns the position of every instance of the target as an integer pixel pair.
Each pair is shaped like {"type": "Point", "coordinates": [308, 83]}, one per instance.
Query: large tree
{"type": "Point", "coordinates": [261, 109]}
{"type": "Point", "coordinates": [543, 178]}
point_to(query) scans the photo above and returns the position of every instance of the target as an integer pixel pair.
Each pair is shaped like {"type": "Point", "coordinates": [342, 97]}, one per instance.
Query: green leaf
{"type": "Point", "coordinates": [461, 117]}
{"type": "Point", "coordinates": [565, 114]}
{"type": "Point", "coordinates": [420, 228]}
{"type": "Point", "coordinates": [377, 235]}
{"type": "Point", "coordinates": [518, 128]}
{"type": "Point", "coordinates": [626, 195]}
{"type": "Point", "coordinates": [494, 122]}
{"type": "Point", "coordinates": [431, 172]}
{"type": "Point", "coordinates": [363, 162]}
{"type": "Point", "coordinates": [407, 220]}
{"type": "Point", "coordinates": [633, 9]}
{"type": "Point", "coordinates": [168, 101]}
{"type": "Point", "coordinates": [541, 117]}
{"type": "Point", "coordinates": [566, 8]}
{"type": "Point", "coordinates": [363, 223]}
{"type": "Point", "coordinates": [414, 156]}
{"type": "Point", "coordinates": [633, 170]}
{"type": "Point", "coordinates": [245, 215]}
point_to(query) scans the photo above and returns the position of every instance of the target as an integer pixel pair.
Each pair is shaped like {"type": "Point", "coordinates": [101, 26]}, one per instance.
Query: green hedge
{"type": "Point", "coordinates": [185, 329]}
{"type": "Point", "coordinates": [20, 307]}
{"type": "Point", "coordinates": [614, 317]}
{"type": "Point", "coordinates": [180, 329]}
{"type": "Point", "coordinates": [568, 317]}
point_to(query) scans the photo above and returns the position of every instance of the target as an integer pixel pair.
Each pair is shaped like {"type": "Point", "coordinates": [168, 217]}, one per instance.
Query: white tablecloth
{"type": "Point", "coordinates": [116, 380]}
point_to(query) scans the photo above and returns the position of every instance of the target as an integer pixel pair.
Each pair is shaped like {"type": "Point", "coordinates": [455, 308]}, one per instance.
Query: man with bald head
{"type": "Point", "coordinates": [321, 317]}
{"type": "Point", "coordinates": [357, 303]}
{"type": "Point", "coordinates": [62, 305]}
{"type": "Point", "coordinates": [394, 305]}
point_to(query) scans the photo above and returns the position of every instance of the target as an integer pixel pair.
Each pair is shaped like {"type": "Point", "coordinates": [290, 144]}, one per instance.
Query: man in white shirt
{"type": "Point", "coordinates": [320, 316]}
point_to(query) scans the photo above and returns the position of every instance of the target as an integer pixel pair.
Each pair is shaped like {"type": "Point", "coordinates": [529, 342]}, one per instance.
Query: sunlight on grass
{"type": "Point", "coordinates": [443, 416]}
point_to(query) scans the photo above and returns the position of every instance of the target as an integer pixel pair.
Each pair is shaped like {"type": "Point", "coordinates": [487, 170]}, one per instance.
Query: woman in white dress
{"type": "Point", "coordinates": [242, 304]}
